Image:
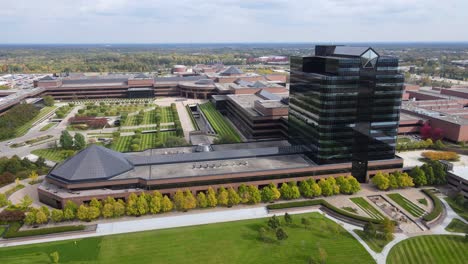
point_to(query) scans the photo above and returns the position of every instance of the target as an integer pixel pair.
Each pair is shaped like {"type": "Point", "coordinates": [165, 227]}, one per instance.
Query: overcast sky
{"type": "Point", "coordinates": [191, 21]}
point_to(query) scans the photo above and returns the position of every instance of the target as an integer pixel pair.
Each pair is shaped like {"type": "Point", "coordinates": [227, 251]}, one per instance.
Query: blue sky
{"type": "Point", "coordinates": [192, 21]}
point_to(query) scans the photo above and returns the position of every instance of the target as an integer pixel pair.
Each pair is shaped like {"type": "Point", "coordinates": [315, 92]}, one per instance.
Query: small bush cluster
{"type": "Point", "coordinates": [441, 155]}
{"type": "Point", "coordinates": [386, 181]}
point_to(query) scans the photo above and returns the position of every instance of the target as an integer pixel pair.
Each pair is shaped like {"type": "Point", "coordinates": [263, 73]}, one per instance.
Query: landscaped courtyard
{"type": "Point", "coordinates": [231, 242]}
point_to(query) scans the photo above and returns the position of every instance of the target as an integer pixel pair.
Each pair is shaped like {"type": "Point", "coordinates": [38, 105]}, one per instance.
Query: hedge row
{"type": "Point", "coordinates": [13, 232]}
{"type": "Point", "coordinates": [325, 204]}
{"type": "Point", "coordinates": [438, 207]}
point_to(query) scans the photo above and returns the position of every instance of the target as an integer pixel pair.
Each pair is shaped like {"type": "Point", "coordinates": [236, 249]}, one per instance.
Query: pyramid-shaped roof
{"type": "Point", "coordinates": [259, 84]}
{"type": "Point", "coordinates": [47, 78]}
{"type": "Point", "coordinates": [93, 163]}
{"type": "Point", "coordinates": [232, 70]}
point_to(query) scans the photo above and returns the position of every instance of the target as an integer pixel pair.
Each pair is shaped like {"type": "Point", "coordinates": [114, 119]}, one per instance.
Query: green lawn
{"type": "Point", "coordinates": [376, 244]}
{"type": "Point", "coordinates": [460, 210]}
{"type": "Point", "coordinates": [52, 154]}
{"type": "Point", "coordinates": [366, 207]}
{"type": "Point", "coordinates": [148, 140]}
{"type": "Point", "coordinates": [167, 115]}
{"type": "Point", "coordinates": [437, 249]}
{"type": "Point", "coordinates": [233, 242]}
{"type": "Point", "coordinates": [413, 209]}
{"type": "Point", "coordinates": [457, 226]}
{"type": "Point", "coordinates": [48, 126]}
{"type": "Point", "coordinates": [20, 131]}
{"type": "Point", "coordinates": [217, 121]}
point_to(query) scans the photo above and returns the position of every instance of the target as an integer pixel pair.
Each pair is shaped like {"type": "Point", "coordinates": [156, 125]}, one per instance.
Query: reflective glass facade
{"type": "Point", "coordinates": [345, 107]}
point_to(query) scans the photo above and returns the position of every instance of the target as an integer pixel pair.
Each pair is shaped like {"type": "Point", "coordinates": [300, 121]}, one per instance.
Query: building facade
{"type": "Point", "coordinates": [344, 106]}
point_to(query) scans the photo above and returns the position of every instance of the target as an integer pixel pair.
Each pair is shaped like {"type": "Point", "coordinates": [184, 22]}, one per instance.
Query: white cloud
{"type": "Point", "coordinates": [154, 21]}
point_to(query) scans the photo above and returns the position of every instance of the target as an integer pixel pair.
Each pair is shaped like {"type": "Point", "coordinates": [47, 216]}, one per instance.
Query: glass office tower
{"type": "Point", "coordinates": [344, 106]}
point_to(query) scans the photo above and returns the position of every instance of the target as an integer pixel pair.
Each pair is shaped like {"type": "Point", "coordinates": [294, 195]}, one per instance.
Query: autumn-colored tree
{"type": "Point", "coordinates": [222, 197]}
{"type": "Point", "coordinates": [166, 204]}
{"type": "Point", "coordinates": [201, 200]}
{"type": "Point", "coordinates": [211, 199]}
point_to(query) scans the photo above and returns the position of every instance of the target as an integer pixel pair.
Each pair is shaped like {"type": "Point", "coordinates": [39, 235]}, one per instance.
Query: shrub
{"type": "Point", "coordinates": [13, 232]}
{"type": "Point", "coordinates": [11, 216]}
{"type": "Point", "coordinates": [441, 155]}
{"type": "Point", "coordinates": [438, 207]}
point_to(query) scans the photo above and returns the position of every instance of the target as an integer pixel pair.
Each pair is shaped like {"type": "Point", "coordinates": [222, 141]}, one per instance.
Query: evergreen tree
{"type": "Point", "coordinates": [418, 175]}
{"type": "Point", "coordinates": [142, 205]}
{"type": "Point", "coordinates": [56, 215]}
{"type": "Point", "coordinates": [108, 210]}
{"type": "Point", "coordinates": [201, 200]}
{"type": "Point", "coordinates": [276, 192]}
{"type": "Point", "coordinates": [281, 234]}
{"type": "Point", "coordinates": [119, 208]}
{"type": "Point", "coordinates": [211, 199]}
{"type": "Point", "coordinates": [288, 219]}
{"type": "Point", "coordinates": [233, 197]}
{"type": "Point", "coordinates": [66, 140]}
{"type": "Point", "coordinates": [305, 189]}
{"type": "Point", "coordinates": [223, 197]}
{"type": "Point", "coordinates": [325, 186]}
{"type": "Point", "coordinates": [267, 194]}
{"type": "Point", "coordinates": [274, 222]}
{"type": "Point", "coordinates": [80, 141]}
{"type": "Point", "coordinates": [132, 206]}
{"type": "Point", "coordinates": [381, 181]}
{"type": "Point", "coordinates": [166, 204]}
{"type": "Point", "coordinates": [254, 194]}
{"type": "Point", "coordinates": [155, 203]}
{"type": "Point", "coordinates": [243, 193]}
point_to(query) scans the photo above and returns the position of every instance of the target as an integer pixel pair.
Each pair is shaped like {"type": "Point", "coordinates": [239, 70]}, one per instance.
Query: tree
{"type": "Point", "coordinates": [201, 200]}
{"type": "Point", "coordinates": [388, 228]}
{"type": "Point", "coordinates": [142, 205]}
{"type": "Point", "coordinates": [70, 209]}
{"type": "Point", "coordinates": [334, 186]}
{"type": "Point", "coordinates": [243, 193]}
{"type": "Point", "coordinates": [26, 202]}
{"type": "Point", "coordinates": [370, 230]}
{"type": "Point", "coordinates": [281, 234]}
{"type": "Point", "coordinates": [119, 208]}
{"type": "Point", "coordinates": [95, 203]}
{"type": "Point", "coordinates": [344, 185]}
{"type": "Point", "coordinates": [82, 213]}
{"type": "Point", "coordinates": [326, 187]}
{"type": "Point", "coordinates": [45, 210]}
{"type": "Point", "coordinates": [233, 197]}
{"type": "Point", "coordinates": [166, 204]}
{"type": "Point", "coordinates": [274, 222]}
{"type": "Point", "coordinates": [56, 215]}
{"type": "Point", "coordinates": [155, 202]}
{"type": "Point", "coordinates": [355, 185]}
{"type": "Point", "coordinates": [211, 199]}
{"type": "Point", "coordinates": [108, 210]}
{"type": "Point", "coordinates": [48, 100]}
{"type": "Point", "coordinates": [132, 206]}
{"type": "Point", "coordinates": [429, 173]}
{"type": "Point", "coordinates": [316, 190]}
{"type": "Point", "coordinates": [93, 213]}
{"type": "Point", "coordinates": [285, 191]}
{"type": "Point", "coordinates": [223, 197]}
{"type": "Point", "coordinates": [41, 217]}
{"type": "Point", "coordinates": [80, 141]}
{"type": "Point", "coordinates": [288, 219]}
{"type": "Point", "coordinates": [418, 175]}
{"type": "Point", "coordinates": [254, 194]}
{"type": "Point", "coordinates": [66, 140]}
{"type": "Point", "coordinates": [381, 181]}
{"type": "Point", "coordinates": [267, 195]}
{"type": "Point", "coordinates": [33, 176]}
{"type": "Point", "coordinates": [393, 182]}
{"type": "Point", "coordinates": [54, 257]}
{"type": "Point", "coordinates": [404, 180]}
{"type": "Point", "coordinates": [30, 218]}
{"type": "Point", "coordinates": [305, 189]}
{"type": "Point", "coordinates": [440, 175]}
{"type": "Point", "coordinates": [276, 192]}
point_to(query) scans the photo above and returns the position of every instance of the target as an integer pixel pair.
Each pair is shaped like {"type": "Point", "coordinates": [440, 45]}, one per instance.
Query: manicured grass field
{"type": "Point", "coordinates": [463, 212]}
{"type": "Point", "coordinates": [457, 226]}
{"type": "Point", "coordinates": [48, 126]}
{"type": "Point", "coordinates": [148, 141]}
{"type": "Point", "coordinates": [366, 207]}
{"type": "Point", "coordinates": [437, 249]}
{"type": "Point", "coordinates": [413, 209]}
{"type": "Point", "coordinates": [167, 115]}
{"type": "Point", "coordinates": [376, 244]}
{"type": "Point", "coordinates": [20, 131]}
{"type": "Point", "coordinates": [232, 242]}
{"type": "Point", "coordinates": [217, 121]}
{"type": "Point", "coordinates": [52, 154]}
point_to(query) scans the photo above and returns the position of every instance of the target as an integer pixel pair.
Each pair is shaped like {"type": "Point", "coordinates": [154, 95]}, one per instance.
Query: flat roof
{"type": "Point", "coordinates": [461, 171]}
